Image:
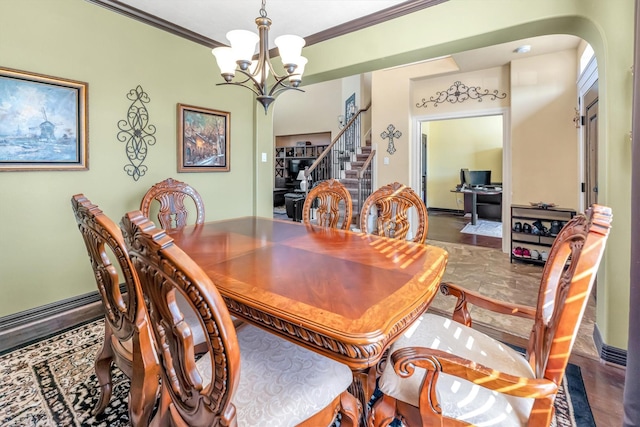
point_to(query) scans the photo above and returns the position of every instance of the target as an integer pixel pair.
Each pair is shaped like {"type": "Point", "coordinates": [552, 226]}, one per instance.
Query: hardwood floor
{"type": "Point", "coordinates": [603, 382]}
{"type": "Point", "coordinates": [446, 227]}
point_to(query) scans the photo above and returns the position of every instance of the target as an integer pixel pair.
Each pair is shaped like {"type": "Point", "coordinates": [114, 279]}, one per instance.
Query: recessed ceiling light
{"type": "Point", "coordinates": [523, 49]}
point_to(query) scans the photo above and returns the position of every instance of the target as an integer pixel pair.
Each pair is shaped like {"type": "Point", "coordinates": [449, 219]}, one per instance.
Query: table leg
{"type": "Point", "coordinates": [474, 208]}
{"type": "Point", "coordinates": [362, 389]}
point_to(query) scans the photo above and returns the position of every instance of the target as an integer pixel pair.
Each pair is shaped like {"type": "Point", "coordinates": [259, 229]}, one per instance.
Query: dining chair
{"type": "Point", "coordinates": [443, 372]}
{"type": "Point", "coordinates": [248, 376]}
{"type": "Point", "coordinates": [390, 207]}
{"type": "Point", "coordinates": [333, 203]}
{"type": "Point", "coordinates": [128, 339]}
{"type": "Point", "coordinates": [171, 195]}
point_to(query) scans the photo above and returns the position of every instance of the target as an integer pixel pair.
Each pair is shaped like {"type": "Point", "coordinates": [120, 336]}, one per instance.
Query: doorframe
{"type": "Point", "coordinates": [587, 79]}
{"type": "Point", "coordinates": [416, 157]}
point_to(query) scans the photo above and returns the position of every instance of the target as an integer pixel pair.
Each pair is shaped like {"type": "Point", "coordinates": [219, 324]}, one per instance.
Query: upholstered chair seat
{"type": "Point", "coordinates": [442, 372]}
{"type": "Point", "coordinates": [459, 398]}
{"type": "Point", "coordinates": [281, 391]}
{"type": "Point", "coordinates": [241, 375]}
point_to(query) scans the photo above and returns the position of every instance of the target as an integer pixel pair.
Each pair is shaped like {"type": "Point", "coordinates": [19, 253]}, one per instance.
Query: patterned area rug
{"type": "Point", "coordinates": [484, 228]}
{"type": "Point", "coordinates": [51, 383]}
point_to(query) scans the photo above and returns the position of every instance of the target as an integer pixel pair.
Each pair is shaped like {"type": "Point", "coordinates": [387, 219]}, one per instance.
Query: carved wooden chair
{"type": "Point", "coordinates": [391, 207]}
{"type": "Point", "coordinates": [333, 198]}
{"type": "Point", "coordinates": [445, 373]}
{"type": "Point", "coordinates": [171, 195]}
{"type": "Point", "coordinates": [128, 339]}
{"type": "Point", "coordinates": [279, 383]}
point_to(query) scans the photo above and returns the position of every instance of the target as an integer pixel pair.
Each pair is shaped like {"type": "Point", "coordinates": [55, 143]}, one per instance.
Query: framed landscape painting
{"type": "Point", "coordinates": [43, 122]}
{"type": "Point", "coordinates": [203, 139]}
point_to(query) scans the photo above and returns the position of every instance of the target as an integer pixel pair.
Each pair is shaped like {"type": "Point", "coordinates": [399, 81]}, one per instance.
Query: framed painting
{"type": "Point", "coordinates": [203, 139]}
{"type": "Point", "coordinates": [43, 122]}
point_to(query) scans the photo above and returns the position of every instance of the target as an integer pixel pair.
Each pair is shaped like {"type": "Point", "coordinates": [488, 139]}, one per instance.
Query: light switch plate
{"type": "Point", "coordinates": [386, 160]}
{"type": "Point", "coordinates": [264, 157]}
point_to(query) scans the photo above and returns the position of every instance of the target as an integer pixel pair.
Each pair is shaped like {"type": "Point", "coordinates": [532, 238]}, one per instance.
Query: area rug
{"type": "Point", "coordinates": [484, 228]}
{"type": "Point", "coordinates": [51, 383]}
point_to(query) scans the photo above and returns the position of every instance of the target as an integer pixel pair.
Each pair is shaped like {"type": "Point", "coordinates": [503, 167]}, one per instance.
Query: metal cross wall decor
{"type": "Point", "coordinates": [459, 92]}
{"type": "Point", "coordinates": [389, 134]}
{"type": "Point", "coordinates": [136, 132]}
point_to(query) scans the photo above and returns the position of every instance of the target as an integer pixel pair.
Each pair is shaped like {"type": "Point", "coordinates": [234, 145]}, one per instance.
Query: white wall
{"type": "Point", "coordinates": [544, 138]}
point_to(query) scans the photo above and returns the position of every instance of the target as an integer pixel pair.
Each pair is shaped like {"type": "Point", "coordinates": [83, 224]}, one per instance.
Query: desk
{"type": "Point", "coordinates": [475, 192]}
{"type": "Point", "coordinates": [345, 295]}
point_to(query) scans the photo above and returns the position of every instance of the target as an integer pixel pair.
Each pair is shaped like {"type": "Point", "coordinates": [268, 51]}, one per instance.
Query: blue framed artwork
{"type": "Point", "coordinates": [43, 122]}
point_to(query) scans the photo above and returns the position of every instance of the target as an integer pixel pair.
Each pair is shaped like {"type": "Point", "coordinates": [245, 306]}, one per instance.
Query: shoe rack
{"type": "Point", "coordinates": [533, 230]}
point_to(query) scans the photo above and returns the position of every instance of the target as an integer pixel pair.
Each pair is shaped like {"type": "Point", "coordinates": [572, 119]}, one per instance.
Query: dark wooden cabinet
{"type": "Point", "coordinates": [489, 206]}
{"type": "Point", "coordinates": [306, 153]}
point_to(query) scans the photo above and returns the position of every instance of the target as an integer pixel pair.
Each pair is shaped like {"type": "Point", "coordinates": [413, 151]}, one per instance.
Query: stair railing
{"type": "Point", "coordinates": [330, 156]}
{"type": "Point", "coordinates": [365, 181]}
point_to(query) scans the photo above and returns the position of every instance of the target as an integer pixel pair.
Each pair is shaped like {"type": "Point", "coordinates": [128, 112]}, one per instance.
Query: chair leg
{"type": "Point", "coordinates": [350, 409]}
{"type": "Point", "coordinates": [383, 412]}
{"type": "Point", "coordinates": [103, 372]}
{"type": "Point", "coordinates": [145, 378]}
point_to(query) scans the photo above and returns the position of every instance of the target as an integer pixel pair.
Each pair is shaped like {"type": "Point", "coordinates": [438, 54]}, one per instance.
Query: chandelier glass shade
{"type": "Point", "coordinates": [239, 58]}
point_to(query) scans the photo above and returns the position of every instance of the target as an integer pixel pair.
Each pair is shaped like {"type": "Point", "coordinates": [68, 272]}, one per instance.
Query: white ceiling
{"type": "Point", "coordinates": [212, 19]}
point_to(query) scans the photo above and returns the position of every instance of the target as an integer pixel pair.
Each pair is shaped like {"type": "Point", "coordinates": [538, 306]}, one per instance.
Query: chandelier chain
{"type": "Point", "coordinates": [263, 10]}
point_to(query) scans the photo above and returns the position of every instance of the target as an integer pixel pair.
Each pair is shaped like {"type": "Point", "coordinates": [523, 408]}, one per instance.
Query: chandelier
{"type": "Point", "coordinates": [239, 57]}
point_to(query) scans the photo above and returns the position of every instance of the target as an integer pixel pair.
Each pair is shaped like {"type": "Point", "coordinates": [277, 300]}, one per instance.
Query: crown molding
{"type": "Point", "coordinates": [339, 30]}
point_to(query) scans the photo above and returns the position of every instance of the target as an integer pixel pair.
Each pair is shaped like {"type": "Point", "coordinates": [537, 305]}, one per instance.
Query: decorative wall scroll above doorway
{"type": "Point", "coordinates": [459, 92]}
{"type": "Point", "coordinates": [390, 134]}
{"type": "Point", "coordinates": [136, 132]}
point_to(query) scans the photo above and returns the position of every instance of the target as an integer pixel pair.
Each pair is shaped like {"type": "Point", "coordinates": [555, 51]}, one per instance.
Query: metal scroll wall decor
{"type": "Point", "coordinates": [390, 134]}
{"type": "Point", "coordinates": [137, 133]}
{"type": "Point", "coordinates": [459, 92]}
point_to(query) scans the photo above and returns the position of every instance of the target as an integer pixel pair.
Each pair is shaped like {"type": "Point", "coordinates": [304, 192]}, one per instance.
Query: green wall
{"type": "Point", "coordinates": [460, 25]}
{"type": "Point", "coordinates": [41, 255]}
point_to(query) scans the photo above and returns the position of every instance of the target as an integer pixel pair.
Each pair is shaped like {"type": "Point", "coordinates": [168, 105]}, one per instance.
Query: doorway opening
{"type": "Point", "coordinates": [445, 144]}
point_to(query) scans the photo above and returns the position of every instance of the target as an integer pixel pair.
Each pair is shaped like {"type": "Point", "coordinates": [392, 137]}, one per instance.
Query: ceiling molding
{"type": "Point", "coordinates": [370, 20]}
{"type": "Point", "coordinates": [339, 30]}
{"type": "Point", "coordinates": [138, 15]}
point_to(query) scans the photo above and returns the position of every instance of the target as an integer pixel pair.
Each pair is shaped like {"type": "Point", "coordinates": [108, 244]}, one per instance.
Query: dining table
{"type": "Point", "coordinates": [343, 294]}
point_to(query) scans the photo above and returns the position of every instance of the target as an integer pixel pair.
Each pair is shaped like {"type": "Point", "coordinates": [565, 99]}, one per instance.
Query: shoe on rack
{"type": "Point", "coordinates": [526, 253]}
{"type": "Point", "coordinates": [517, 227]}
{"type": "Point", "coordinates": [537, 227]}
{"type": "Point", "coordinates": [535, 254]}
{"type": "Point", "coordinates": [517, 252]}
{"type": "Point", "coordinates": [556, 226]}
{"type": "Point", "coordinates": [544, 255]}
{"type": "Point", "coordinates": [526, 228]}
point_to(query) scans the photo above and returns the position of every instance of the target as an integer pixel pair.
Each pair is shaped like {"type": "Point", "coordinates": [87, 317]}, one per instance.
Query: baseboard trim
{"type": "Point", "coordinates": [41, 322]}
{"type": "Point", "coordinates": [608, 353]}
{"type": "Point", "coordinates": [445, 210]}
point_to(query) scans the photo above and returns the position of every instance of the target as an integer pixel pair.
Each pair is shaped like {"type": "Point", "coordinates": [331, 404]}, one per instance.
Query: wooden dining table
{"type": "Point", "coordinates": [342, 294]}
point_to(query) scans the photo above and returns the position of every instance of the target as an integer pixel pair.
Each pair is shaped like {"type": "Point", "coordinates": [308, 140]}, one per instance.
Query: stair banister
{"type": "Point", "coordinates": [327, 150]}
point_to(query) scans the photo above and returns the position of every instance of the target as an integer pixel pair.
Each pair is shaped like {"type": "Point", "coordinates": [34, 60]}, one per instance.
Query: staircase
{"type": "Point", "coordinates": [350, 162]}
{"type": "Point", "coordinates": [353, 170]}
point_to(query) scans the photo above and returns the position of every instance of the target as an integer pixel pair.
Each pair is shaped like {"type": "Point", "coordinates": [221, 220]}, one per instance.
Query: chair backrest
{"type": "Point", "coordinates": [188, 397]}
{"type": "Point", "coordinates": [330, 194]}
{"type": "Point", "coordinates": [565, 287]}
{"type": "Point", "coordinates": [392, 204]}
{"type": "Point", "coordinates": [171, 194]}
{"type": "Point", "coordinates": [122, 309]}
